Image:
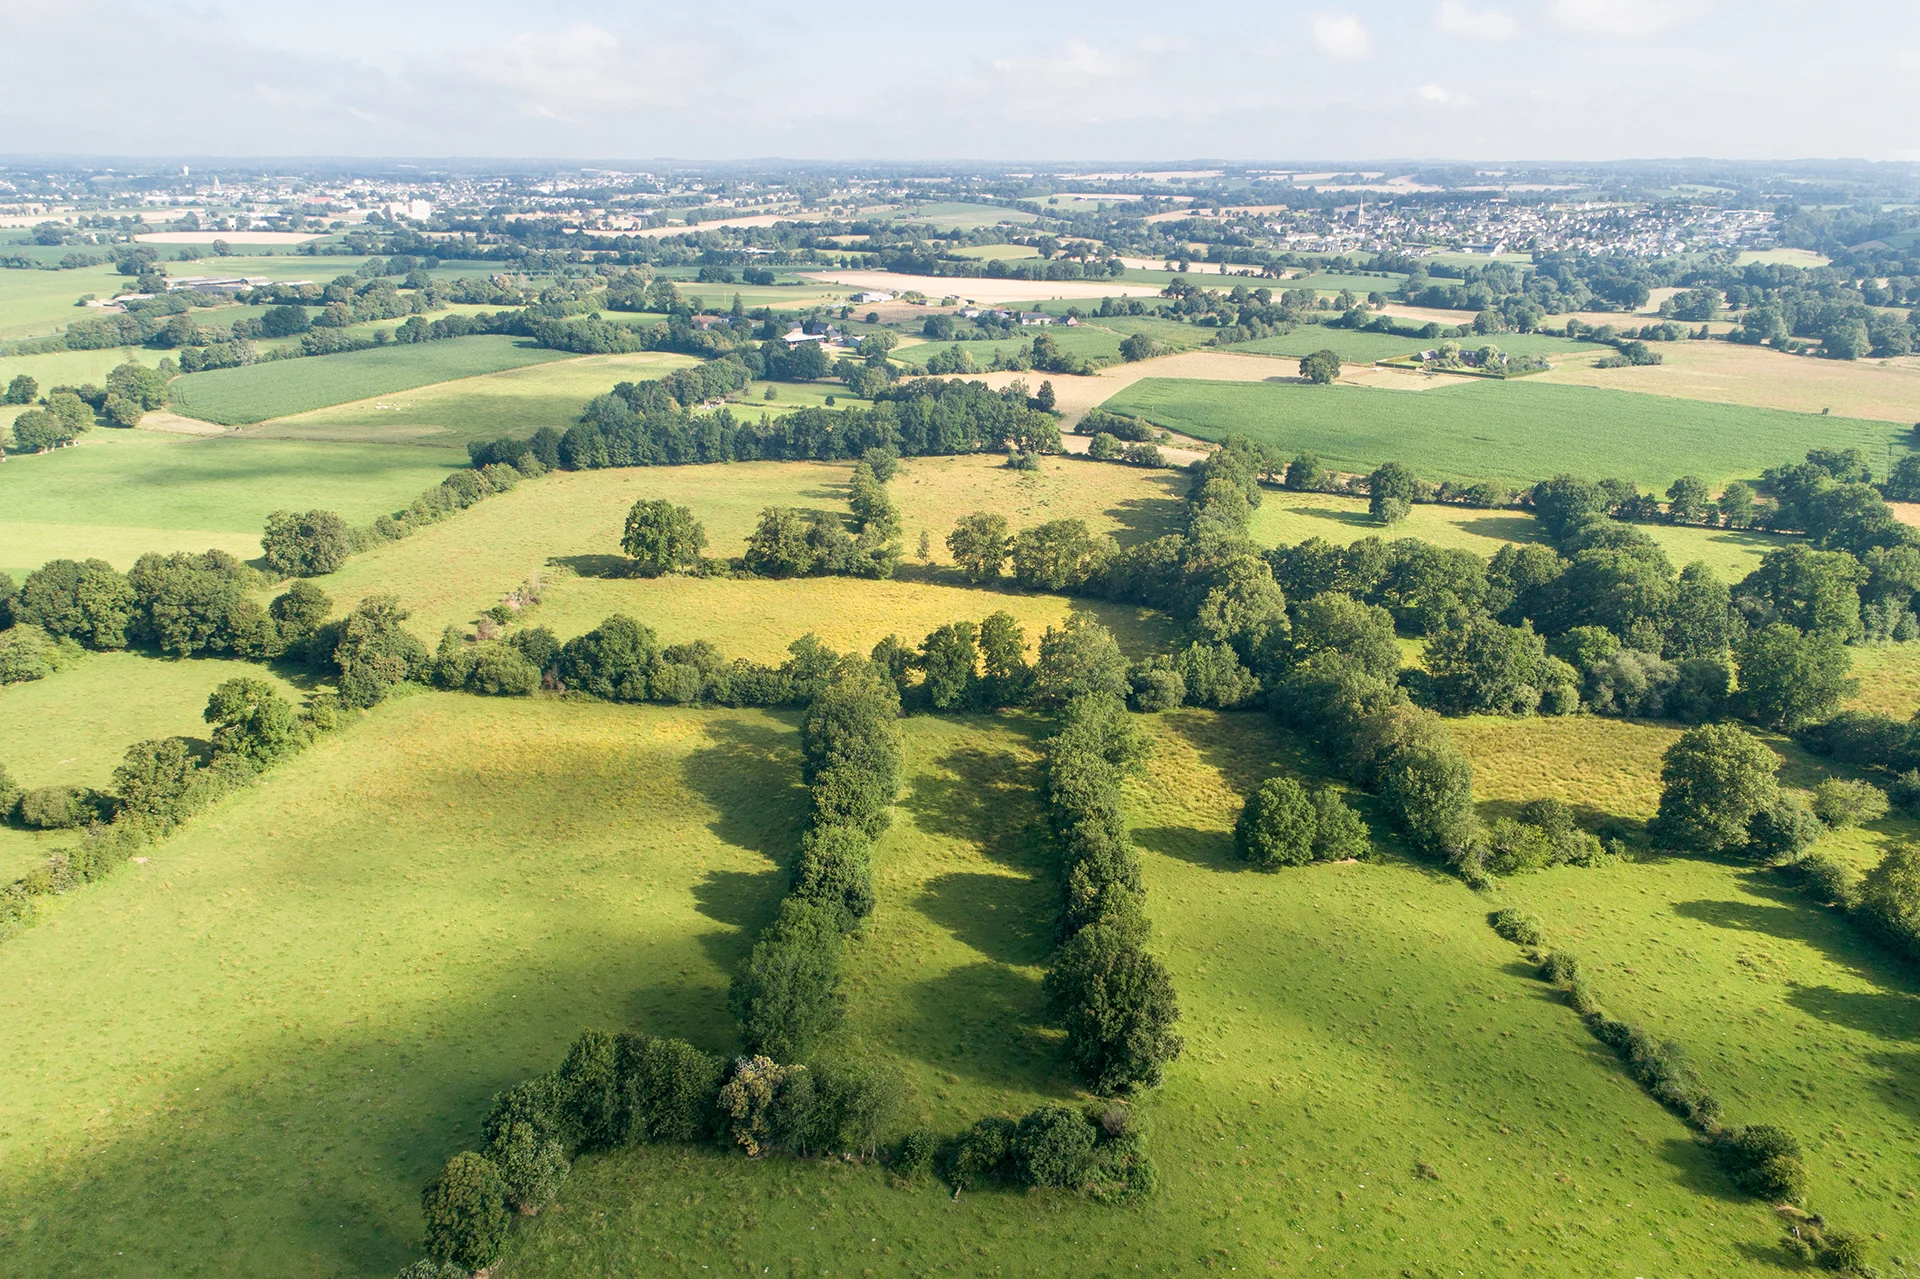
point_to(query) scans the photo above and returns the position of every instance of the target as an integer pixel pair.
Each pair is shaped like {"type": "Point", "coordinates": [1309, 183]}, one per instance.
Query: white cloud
{"type": "Point", "coordinates": [1456, 18]}
{"type": "Point", "coordinates": [1341, 35]}
{"type": "Point", "coordinates": [1440, 95]}
{"type": "Point", "coordinates": [1625, 17]}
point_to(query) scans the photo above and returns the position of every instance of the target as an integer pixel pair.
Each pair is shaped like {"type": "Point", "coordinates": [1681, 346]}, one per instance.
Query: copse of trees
{"type": "Point", "coordinates": [1284, 824]}
{"type": "Point", "coordinates": [309, 544]}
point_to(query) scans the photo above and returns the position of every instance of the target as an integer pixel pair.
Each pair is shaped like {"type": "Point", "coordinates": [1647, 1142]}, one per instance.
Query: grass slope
{"type": "Point", "coordinates": [236, 397]}
{"type": "Point", "coordinates": [1518, 431]}
{"type": "Point", "coordinates": [121, 493]}
{"type": "Point", "coordinates": [1343, 1024]}
{"type": "Point", "coordinates": [247, 1055]}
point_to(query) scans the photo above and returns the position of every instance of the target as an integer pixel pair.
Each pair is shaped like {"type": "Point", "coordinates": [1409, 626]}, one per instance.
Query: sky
{"type": "Point", "coordinates": [987, 80]}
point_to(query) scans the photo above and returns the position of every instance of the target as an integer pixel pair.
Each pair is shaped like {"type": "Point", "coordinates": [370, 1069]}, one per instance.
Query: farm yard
{"type": "Point", "coordinates": [980, 848]}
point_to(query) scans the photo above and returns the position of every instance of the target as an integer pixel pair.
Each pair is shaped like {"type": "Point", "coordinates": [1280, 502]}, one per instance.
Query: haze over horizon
{"type": "Point", "coordinates": [1568, 79]}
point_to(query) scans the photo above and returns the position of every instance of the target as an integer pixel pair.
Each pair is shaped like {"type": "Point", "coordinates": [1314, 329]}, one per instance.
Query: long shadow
{"type": "Point", "coordinates": [1210, 849]}
{"type": "Point", "coordinates": [1899, 1089]}
{"type": "Point", "coordinates": [983, 797]}
{"type": "Point", "coordinates": [602, 566]}
{"type": "Point", "coordinates": [750, 776]}
{"type": "Point", "coordinates": [992, 914]}
{"type": "Point", "coordinates": [1507, 528]}
{"type": "Point", "coordinates": [1892, 1016]}
{"type": "Point", "coordinates": [984, 1020]}
{"type": "Point", "coordinates": [743, 900]}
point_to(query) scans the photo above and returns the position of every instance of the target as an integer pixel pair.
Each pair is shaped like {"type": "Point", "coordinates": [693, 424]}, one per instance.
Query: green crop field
{"type": "Point", "coordinates": [1360, 346]}
{"type": "Point", "coordinates": [1086, 341]}
{"type": "Point", "coordinates": [959, 215]}
{"type": "Point", "coordinates": [1335, 281]}
{"type": "Point", "coordinates": [515, 401]}
{"type": "Point", "coordinates": [234, 397]}
{"type": "Point", "coordinates": [998, 252]}
{"type": "Point", "coordinates": [1516, 431]}
{"type": "Point", "coordinates": [118, 494]}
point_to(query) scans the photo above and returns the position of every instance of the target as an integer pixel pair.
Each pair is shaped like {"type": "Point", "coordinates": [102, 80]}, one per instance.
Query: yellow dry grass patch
{"type": "Point", "coordinates": [1889, 679]}
{"type": "Point", "coordinates": [1602, 766]}
{"type": "Point", "coordinates": [1726, 373]}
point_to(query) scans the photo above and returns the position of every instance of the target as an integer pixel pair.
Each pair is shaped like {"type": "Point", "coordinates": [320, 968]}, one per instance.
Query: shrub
{"type": "Point", "coordinates": [531, 1166]}
{"type": "Point", "coordinates": [1782, 831]}
{"type": "Point", "coordinates": [29, 653]}
{"type": "Point", "coordinates": [1339, 833]}
{"type": "Point", "coordinates": [1561, 970]}
{"type": "Point", "coordinates": [375, 653]}
{"type": "Point", "coordinates": [466, 1212]}
{"type": "Point", "coordinates": [155, 782]}
{"type": "Point", "coordinates": [1157, 686]}
{"type": "Point", "coordinates": [427, 1268]}
{"type": "Point", "coordinates": [669, 1090]}
{"type": "Point", "coordinates": [1905, 791]}
{"type": "Point", "coordinates": [1889, 897]}
{"type": "Point", "coordinates": [913, 1157]}
{"type": "Point", "coordinates": [1515, 847]}
{"type": "Point", "coordinates": [1053, 1147]}
{"type": "Point", "coordinates": [610, 661]}
{"type": "Point", "coordinates": [9, 794]}
{"type": "Point", "coordinates": [1553, 816]}
{"type": "Point", "coordinates": [1277, 825]}
{"type": "Point", "coordinates": [982, 1155]}
{"type": "Point", "coordinates": [748, 1099]}
{"type": "Point", "coordinates": [1764, 1160]}
{"type": "Point", "coordinates": [835, 869]}
{"type": "Point", "coordinates": [854, 1104]}
{"type": "Point", "coordinates": [310, 544]}
{"type": "Point", "coordinates": [1826, 879]}
{"type": "Point", "coordinates": [1520, 929]}
{"type": "Point", "coordinates": [787, 993]}
{"type": "Point", "coordinates": [88, 602]}
{"type": "Point", "coordinates": [1843, 804]}
{"type": "Point", "coordinates": [59, 807]}
{"type": "Point", "coordinates": [1117, 1006]}
{"type": "Point", "coordinates": [251, 721]}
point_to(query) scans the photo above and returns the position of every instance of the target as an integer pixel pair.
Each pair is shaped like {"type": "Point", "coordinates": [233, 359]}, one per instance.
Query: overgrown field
{"type": "Point", "coordinates": [514, 401]}
{"type": "Point", "coordinates": [235, 397]}
{"type": "Point", "coordinates": [1345, 1025]}
{"type": "Point", "coordinates": [1518, 431]}
{"type": "Point", "coordinates": [121, 493]}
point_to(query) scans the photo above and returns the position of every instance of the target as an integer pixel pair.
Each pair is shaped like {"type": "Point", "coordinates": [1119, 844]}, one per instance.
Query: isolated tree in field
{"type": "Point", "coordinates": [662, 537]}
{"type": "Point", "coordinates": [308, 544]}
{"type": "Point", "coordinates": [1391, 493]}
{"type": "Point", "coordinates": [466, 1211]}
{"type": "Point", "coordinates": [1138, 346]}
{"type": "Point", "coordinates": [1276, 826]}
{"type": "Point", "coordinates": [1714, 779]}
{"type": "Point", "coordinates": [1320, 368]}
{"type": "Point", "coordinates": [22, 390]}
{"type": "Point", "coordinates": [978, 545]}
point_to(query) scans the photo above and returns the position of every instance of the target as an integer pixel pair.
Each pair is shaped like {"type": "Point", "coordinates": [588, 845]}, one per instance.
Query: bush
{"type": "Point", "coordinates": [1518, 928]}
{"type": "Point", "coordinates": [1765, 1161]}
{"type": "Point", "coordinates": [1715, 778]}
{"type": "Point", "coordinates": [982, 1155]}
{"type": "Point", "coordinates": [669, 1090]}
{"type": "Point", "coordinates": [60, 807]}
{"type": "Point", "coordinates": [29, 653]}
{"type": "Point", "coordinates": [374, 653]}
{"type": "Point", "coordinates": [310, 544]}
{"type": "Point", "coordinates": [749, 1101]}
{"type": "Point", "coordinates": [1826, 879]}
{"type": "Point", "coordinates": [610, 661]}
{"type": "Point", "coordinates": [913, 1158]}
{"type": "Point", "coordinates": [1157, 686]}
{"type": "Point", "coordinates": [9, 794]}
{"type": "Point", "coordinates": [786, 996]}
{"type": "Point", "coordinates": [1905, 791]}
{"type": "Point", "coordinates": [426, 1268]}
{"type": "Point", "coordinates": [1889, 898]}
{"type": "Point", "coordinates": [1782, 831]}
{"type": "Point", "coordinates": [1117, 1006]}
{"type": "Point", "coordinates": [1561, 969]}
{"type": "Point", "coordinates": [531, 1164]}
{"type": "Point", "coordinates": [1339, 833]}
{"type": "Point", "coordinates": [1053, 1147]}
{"type": "Point", "coordinates": [155, 782]}
{"type": "Point", "coordinates": [1845, 804]}
{"type": "Point", "coordinates": [466, 1212]}
{"type": "Point", "coordinates": [1276, 826]}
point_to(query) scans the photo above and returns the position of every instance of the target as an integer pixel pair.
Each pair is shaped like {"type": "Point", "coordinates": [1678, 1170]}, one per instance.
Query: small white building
{"type": "Point", "coordinates": [1030, 318]}
{"type": "Point", "coordinates": [870, 297]}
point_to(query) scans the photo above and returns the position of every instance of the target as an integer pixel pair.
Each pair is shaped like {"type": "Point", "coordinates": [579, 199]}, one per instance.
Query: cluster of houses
{"type": "Point", "coordinates": [1026, 319]}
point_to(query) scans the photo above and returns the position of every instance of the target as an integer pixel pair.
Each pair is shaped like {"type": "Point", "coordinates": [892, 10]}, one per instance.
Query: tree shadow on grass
{"type": "Point", "coordinates": [1791, 917]}
{"type": "Point", "coordinates": [749, 775]}
{"type": "Point", "coordinates": [1889, 1015]}
{"type": "Point", "coordinates": [984, 1020]}
{"type": "Point", "coordinates": [1003, 918]}
{"type": "Point", "coordinates": [985, 797]}
{"type": "Point", "coordinates": [744, 901]}
{"type": "Point", "coordinates": [1210, 849]}
{"type": "Point", "coordinates": [1700, 1172]}
{"type": "Point", "coordinates": [1506, 528]}
{"type": "Point", "coordinates": [601, 566]}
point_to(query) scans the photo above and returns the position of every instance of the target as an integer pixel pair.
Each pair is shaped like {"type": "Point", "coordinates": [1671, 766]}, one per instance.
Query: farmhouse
{"type": "Point", "coordinates": [871, 296]}
{"type": "Point", "coordinates": [1030, 318]}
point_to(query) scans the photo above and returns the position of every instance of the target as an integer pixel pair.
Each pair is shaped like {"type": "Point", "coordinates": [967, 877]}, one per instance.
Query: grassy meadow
{"type": "Point", "coordinates": [1517, 431]}
{"type": "Point", "coordinates": [118, 494]}
{"type": "Point", "coordinates": [280, 388]}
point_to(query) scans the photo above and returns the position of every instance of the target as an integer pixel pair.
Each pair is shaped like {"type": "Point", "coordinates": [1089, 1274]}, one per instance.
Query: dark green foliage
{"type": "Point", "coordinates": [1053, 1147]}
{"type": "Point", "coordinates": [1005, 677]}
{"type": "Point", "coordinates": [10, 792]}
{"type": "Point", "coordinates": [1211, 675]}
{"type": "Point", "coordinates": [610, 661]}
{"type": "Point", "coordinates": [29, 653]}
{"type": "Point", "coordinates": [1888, 899]}
{"type": "Point", "coordinates": [186, 604]}
{"type": "Point", "coordinates": [1788, 679]}
{"type": "Point", "coordinates": [1765, 1161]}
{"type": "Point", "coordinates": [983, 1155]}
{"type": "Point", "coordinates": [251, 721]}
{"type": "Point", "coordinates": [1783, 830]}
{"type": "Point", "coordinates": [1117, 1005]}
{"type": "Point", "coordinates": [1391, 492]}
{"type": "Point", "coordinates": [1827, 880]}
{"type": "Point", "coordinates": [1519, 928]}
{"type": "Point", "coordinates": [88, 602]}
{"type": "Point", "coordinates": [587, 1088]}
{"type": "Point", "coordinates": [1060, 555]}
{"type": "Point", "coordinates": [850, 749]}
{"type": "Point", "coordinates": [979, 546]}
{"type": "Point", "coordinates": [1157, 686]}
{"type": "Point", "coordinates": [913, 1158]}
{"type": "Point", "coordinates": [532, 1166]}
{"type": "Point", "coordinates": [1276, 826]}
{"type": "Point", "coordinates": [1320, 368]}
{"type": "Point", "coordinates": [155, 783]}
{"type": "Point", "coordinates": [854, 1103]}
{"type": "Point", "coordinates": [669, 1088]}
{"type": "Point", "coordinates": [60, 807]}
{"type": "Point", "coordinates": [375, 653]}
{"type": "Point", "coordinates": [1714, 779]}
{"type": "Point", "coordinates": [426, 1267]}
{"type": "Point", "coordinates": [786, 996]}
{"type": "Point", "coordinates": [493, 668]}
{"type": "Point", "coordinates": [1078, 659]}
{"type": "Point", "coordinates": [466, 1212]}
{"type": "Point", "coordinates": [1339, 623]}
{"type": "Point", "coordinates": [297, 615]}
{"type": "Point", "coordinates": [1483, 667]}
{"type": "Point", "coordinates": [949, 660]}
{"type": "Point", "coordinates": [835, 869]}
{"type": "Point", "coordinates": [662, 538]}
{"type": "Point", "coordinates": [308, 544]}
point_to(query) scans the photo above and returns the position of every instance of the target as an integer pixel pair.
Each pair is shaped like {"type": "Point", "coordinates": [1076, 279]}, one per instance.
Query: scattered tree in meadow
{"type": "Point", "coordinates": [1320, 368]}
{"type": "Point", "coordinates": [662, 538]}
{"type": "Point", "coordinates": [1391, 492]}
{"type": "Point", "coordinates": [978, 545]}
{"type": "Point", "coordinates": [309, 544]}
{"type": "Point", "coordinates": [1714, 779]}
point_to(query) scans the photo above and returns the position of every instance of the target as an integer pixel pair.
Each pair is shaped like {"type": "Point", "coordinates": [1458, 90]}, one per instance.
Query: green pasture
{"type": "Point", "coordinates": [1344, 1025]}
{"type": "Point", "coordinates": [1334, 281]}
{"type": "Point", "coordinates": [997, 252]}
{"type": "Point", "coordinates": [1088, 340]}
{"type": "Point", "coordinates": [1360, 346]}
{"type": "Point", "coordinates": [959, 215]}
{"type": "Point", "coordinates": [1518, 431]}
{"type": "Point", "coordinates": [33, 303]}
{"type": "Point", "coordinates": [516, 401]}
{"type": "Point", "coordinates": [118, 494]}
{"type": "Point", "coordinates": [234, 397]}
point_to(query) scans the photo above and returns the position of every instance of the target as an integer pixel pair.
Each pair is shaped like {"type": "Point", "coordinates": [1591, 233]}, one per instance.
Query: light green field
{"type": "Point", "coordinates": [959, 215]}
{"type": "Point", "coordinates": [1334, 281]}
{"type": "Point", "coordinates": [1284, 518]}
{"type": "Point", "coordinates": [570, 522]}
{"type": "Point", "coordinates": [1516, 431]}
{"type": "Point", "coordinates": [247, 1055]}
{"type": "Point", "coordinates": [448, 414]}
{"type": "Point", "coordinates": [1791, 1015]}
{"type": "Point", "coordinates": [118, 494]}
{"type": "Point", "coordinates": [1088, 341]}
{"type": "Point", "coordinates": [1343, 1024]}
{"type": "Point", "coordinates": [1889, 676]}
{"type": "Point", "coordinates": [67, 368]}
{"type": "Point", "coordinates": [234, 397]}
{"type": "Point", "coordinates": [1803, 258]}
{"type": "Point", "coordinates": [997, 252]}
{"type": "Point", "coordinates": [33, 303]}
{"type": "Point", "coordinates": [1360, 346]}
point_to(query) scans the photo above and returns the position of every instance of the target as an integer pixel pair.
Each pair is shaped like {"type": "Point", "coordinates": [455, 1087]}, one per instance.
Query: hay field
{"type": "Point", "coordinates": [514, 401]}
{"type": "Point", "coordinates": [1515, 431]}
{"type": "Point", "coordinates": [247, 1055]}
{"type": "Point", "coordinates": [280, 388]}
{"type": "Point", "coordinates": [1343, 1023]}
{"type": "Point", "coordinates": [118, 494]}
{"type": "Point", "coordinates": [1727, 373]}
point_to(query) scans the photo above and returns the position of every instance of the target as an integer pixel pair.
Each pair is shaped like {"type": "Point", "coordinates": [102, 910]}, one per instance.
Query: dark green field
{"type": "Point", "coordinates": [1517, 431]}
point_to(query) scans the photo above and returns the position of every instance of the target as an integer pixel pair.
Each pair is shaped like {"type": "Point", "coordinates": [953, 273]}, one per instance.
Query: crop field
{"type": "Point", "coordinates": [1087, 341]}
{"type": "Point", "coordinates": [1516, 431]}
{"type": "Point", "coordinates": [1284, 518]}
{"type": "Point", "coordinates": [1727, 373]}
{"type": "Point", "coordinates": [234, 397]}
{"type": "Point", "coordinates": [118, 494]}
{"type": "Point", "coordinates": [959, 215]}
{"type": "Point", "coordinates": [300, 1006]}
{"type": "Point", "coordinates": [1344, 1024]}
{"type": "Point", "coordinates": [515, 401]}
